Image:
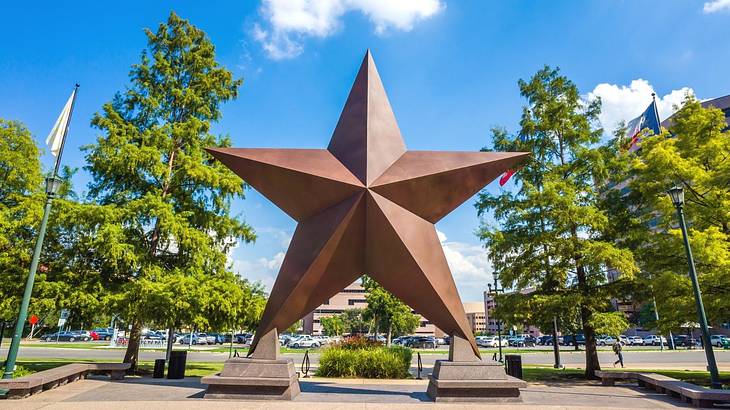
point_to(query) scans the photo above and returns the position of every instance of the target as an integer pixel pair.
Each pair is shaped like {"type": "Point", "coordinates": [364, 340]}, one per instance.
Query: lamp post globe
{"type": "Point", "coordinates": [677, 195]}
{"type": "Point", "coordinates": [53, 185]}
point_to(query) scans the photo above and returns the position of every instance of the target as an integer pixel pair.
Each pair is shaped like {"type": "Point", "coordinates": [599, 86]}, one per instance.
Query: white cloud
{"type": "Point", "coordinates": [469, 265]}
{"type": "Point", "coordinates": [290, 21]}
{"type": "Point", "coordinates": [715, 6]}
{"type": "Point", "coordinates": [262, 269]}
{"type": "Point", "coordinates": [624, 103]}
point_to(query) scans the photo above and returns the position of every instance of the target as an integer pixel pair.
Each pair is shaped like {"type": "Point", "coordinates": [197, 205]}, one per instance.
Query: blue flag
{"type": "Point", "coordinates": [649, 119]}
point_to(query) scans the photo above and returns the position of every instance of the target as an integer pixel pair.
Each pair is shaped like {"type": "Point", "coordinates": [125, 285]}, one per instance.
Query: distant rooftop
{"type": "Point", "coordinates": [722, 103]}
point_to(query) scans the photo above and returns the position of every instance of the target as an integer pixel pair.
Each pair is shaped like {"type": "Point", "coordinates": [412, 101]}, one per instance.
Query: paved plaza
{"type": "Point", "coordinates": [147, 393]}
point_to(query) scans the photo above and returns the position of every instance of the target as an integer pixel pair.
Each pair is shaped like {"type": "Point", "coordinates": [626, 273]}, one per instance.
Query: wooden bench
{"type": "Point", "coordinates": [696, 395]}
{"type": "Point", "coordinates": [58, 376]}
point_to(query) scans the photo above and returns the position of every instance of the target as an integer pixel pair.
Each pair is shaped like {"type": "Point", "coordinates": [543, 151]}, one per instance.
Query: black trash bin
{"type": "Point", "coordinates": [176, 370]}
{"type": "Point", "coordinates": [514, 365]}
{"type": "Point", "coordinates": [159, 371]}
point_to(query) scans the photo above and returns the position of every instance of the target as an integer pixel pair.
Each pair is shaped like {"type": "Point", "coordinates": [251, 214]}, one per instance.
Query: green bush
{"type": "Point", "coordinates": [371, 363]}
{"type": "Point", "coordinates": [21, 371]}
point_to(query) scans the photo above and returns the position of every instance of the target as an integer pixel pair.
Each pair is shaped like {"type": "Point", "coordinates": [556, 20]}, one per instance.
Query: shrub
{"type": "Point", "coordinates": [371, 362]}
{"type": "Point", "coordinates": [21, 371]}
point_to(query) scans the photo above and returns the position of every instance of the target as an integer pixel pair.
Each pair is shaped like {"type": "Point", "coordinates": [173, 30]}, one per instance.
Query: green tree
{"type": "Point", "coordinates": [162, 203]}
{"type": "Point", "coordinates": [387, 312]}
{"type": "Point", "coordinates": [21, 202]}
{"type": "Point", "coordinates": [333, 325]}
{"type": "Point", "coordinates": [355, 324]}
{"type": "Point", "coordinates": [551, 232]}
{"type": "Point", "coordinates": [694, 153]}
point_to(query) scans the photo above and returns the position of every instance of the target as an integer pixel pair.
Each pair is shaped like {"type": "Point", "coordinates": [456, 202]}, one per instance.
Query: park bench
{"type": "Point", "coordinates": [688, 392]}
{"type": "Point", "coordinates": [58, 376]}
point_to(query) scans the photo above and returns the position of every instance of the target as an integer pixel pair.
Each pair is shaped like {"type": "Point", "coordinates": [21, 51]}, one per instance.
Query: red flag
{"type": "Point", "coordinates": [506, 176]}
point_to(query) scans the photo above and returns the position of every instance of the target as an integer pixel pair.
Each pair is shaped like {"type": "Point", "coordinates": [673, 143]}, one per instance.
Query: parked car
{"type": "Point", "coordinates": [218, 338]}
{"type": "Point", "coordinates": [493, 341]}
{"type": "Point", "coordinates": [635, 340]}
{"type": "Point", "coordinates": [153, 335]}
{"type": "Point", "coordinates": [102, 333]}
{"type": "Point", "coordinates": [605, 340]}
{"type": "Point", "coordinates": [197, 339]}
{"type": "Point", "coordinates": [654, 340]}
{"type": "Point", "coordinates": [379, 338]}
{"type": "Point", "coordinates": [572, 340]}
{"type": "Point", "coordinates": [522, 341]}
{"type": "Point", "coordinates": [304, 341]}
{"type": "Point", "coordinates": [84, 335]}
{"type": "Point", "coordinates": [685, 341]}
{"type": "Point", "coordinates": [440, 341]}
{"type": "Point", "coordinates": [716, 340]}
{"type": "Point", "coordinates": [323, 340]}
{"type": "Point", "coordinates": [242, 337]}
{"type": "Point", "coordinates": [624, 340]}
{"type": "Point", "coordinates": [545, 340]}
{"type": "Point", "coordinates": [426, 342]}
{"type": "Point", "coordinates": [65, 336]}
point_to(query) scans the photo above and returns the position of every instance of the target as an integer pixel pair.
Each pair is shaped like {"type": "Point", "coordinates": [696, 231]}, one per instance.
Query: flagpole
{"type": "Point", "coordinates": [51, 187]}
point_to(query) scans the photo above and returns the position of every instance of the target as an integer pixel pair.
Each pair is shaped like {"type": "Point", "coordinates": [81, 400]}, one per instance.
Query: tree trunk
{"type": "Point", "coordinates": [592, 363]}
{"type": "Point", "coordinates": [132, 354]}
{"type": "Point", "coordinates": [390, 333]}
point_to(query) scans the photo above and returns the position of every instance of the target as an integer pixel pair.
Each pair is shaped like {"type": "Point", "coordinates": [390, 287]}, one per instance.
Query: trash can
{"type": "Point", "coordinates": [159, 371]}
{"type": "Point", "coordinates": [514, 365]}
{"type": "Point", "coordinates": [176, 370]}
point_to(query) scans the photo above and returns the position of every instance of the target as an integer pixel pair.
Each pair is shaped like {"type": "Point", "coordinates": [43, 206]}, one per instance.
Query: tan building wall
{"type": "Point", "coordinates": [352, 297]}
{"type": "Point", "coordinates": [476, 316]}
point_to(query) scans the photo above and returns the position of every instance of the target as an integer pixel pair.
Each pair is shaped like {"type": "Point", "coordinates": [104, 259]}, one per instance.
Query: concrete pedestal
{"type": "Point", "coordinates": [465, 377]}
{"type": "Point", "coordinates": [256, 378]}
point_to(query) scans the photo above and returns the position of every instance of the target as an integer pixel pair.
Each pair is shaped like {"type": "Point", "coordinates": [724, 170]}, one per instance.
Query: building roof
{"type": "Point", "coordinates": [722, 103]}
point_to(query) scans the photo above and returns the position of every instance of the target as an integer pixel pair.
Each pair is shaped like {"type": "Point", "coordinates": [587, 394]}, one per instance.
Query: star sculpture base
{"type": "Point", "coordinates": [264, 376]}
{"type": "Point", "coordinates": [465, 377]}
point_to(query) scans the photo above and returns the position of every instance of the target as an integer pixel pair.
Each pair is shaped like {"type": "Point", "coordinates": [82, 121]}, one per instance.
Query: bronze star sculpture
{"type": "Point", "coordinates": [366, 205]}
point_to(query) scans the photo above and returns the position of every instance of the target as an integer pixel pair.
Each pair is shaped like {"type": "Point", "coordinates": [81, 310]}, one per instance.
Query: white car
{"type": "Point", "coordinates": [304, 341]}
{"type": "Point", "coordinates": [716, 340]}
{"type": "Point", "coordinates": [491, 341]}
{"type": "Point", "coordinates": [605, 340]}
{"type": "Point", "coordinates": [635, 340]}
{"type": "Point", "coordinates": [654, 340]}
{"type": "Point", "coordinates": [323, 340]}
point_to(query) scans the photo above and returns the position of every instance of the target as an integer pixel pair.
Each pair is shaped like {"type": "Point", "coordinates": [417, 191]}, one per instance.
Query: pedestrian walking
{"type": "Point", "coordinates": [617, 349]}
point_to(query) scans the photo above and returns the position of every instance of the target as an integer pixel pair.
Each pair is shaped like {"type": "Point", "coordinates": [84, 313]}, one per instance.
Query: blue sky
{"type": "Point", "coordinates": [450, 69]}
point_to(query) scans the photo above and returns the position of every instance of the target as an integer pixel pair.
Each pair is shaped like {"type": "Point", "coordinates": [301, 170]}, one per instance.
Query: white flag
{"type": "Point", "coordinates": [55, 138]}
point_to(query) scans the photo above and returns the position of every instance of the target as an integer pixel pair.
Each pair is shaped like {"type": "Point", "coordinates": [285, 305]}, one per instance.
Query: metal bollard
{"type": "Point", "coordinates": [419, 366]}
{"type": "Point", "coordinates": [305, 364]}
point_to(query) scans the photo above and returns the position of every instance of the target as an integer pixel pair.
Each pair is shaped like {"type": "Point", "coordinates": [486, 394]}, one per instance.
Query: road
{"type": "Point", "coordinates": [679, 360]}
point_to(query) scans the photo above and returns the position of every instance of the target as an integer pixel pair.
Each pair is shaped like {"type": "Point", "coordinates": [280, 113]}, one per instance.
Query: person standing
{"type": "Point", "coordinates": [617, 350]}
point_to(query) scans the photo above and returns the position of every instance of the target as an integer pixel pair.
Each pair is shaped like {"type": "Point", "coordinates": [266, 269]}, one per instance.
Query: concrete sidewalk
{"type": "Point", "coordinates": [147, 393]}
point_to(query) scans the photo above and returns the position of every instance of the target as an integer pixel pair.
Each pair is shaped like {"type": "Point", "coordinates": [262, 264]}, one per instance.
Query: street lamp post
{"type": "Point", "coordinates": [53, 184]}
{"type": "Point", "coordinates": [677, 196]}
{"type": "Point", "coordinates": [494, 292]}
